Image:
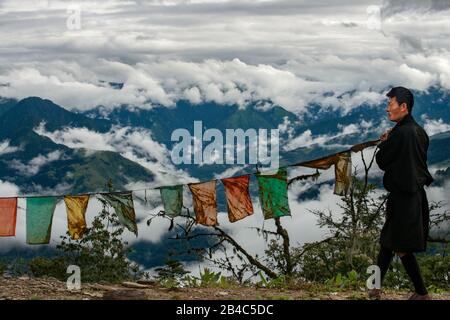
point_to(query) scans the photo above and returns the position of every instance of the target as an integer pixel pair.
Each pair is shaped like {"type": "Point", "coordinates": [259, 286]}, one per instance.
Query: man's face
{"type": "Point", "coordinates": [396, 112]}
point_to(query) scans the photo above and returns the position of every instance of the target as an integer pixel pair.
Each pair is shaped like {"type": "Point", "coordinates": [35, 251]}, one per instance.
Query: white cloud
{"type": "Point", "coordinates": [132, 143]}
{"type": "Point", "coordinates": [349, 129]}
{"type": "Point", "coordinates": [232, 171]}
{"type": "Point", "coordinates": [80, 94]}
{"type": "Point", "coordinates": [292, 85]}
{"type": "Point", "coordinates": [225, 82]}
{"type": "Point", "coordinates": [193, 95]}
{"type": "Point", "coordinates": [433, 126]}
{"type": "Point", "coordinates": [35, 164]}
{"type": "Point", "coordinates": [6, 148]}
{"type": "Point", "coordinates": [418, 79]}
{"type": "Point", "coordinates": [287, 127]}
{"type": "Point", "coordinates": [60, 188]}
{"type": "Point", "coordinates": [288, 52]}
{"type": "Point", "coordinates": [8, 189]}
{"type": "Point", "coordinates": [306, 138]}
{"type": "Point", "coordinates": [78, 138]}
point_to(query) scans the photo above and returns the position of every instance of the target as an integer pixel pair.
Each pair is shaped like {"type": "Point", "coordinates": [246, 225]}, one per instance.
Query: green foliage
{"type": "Point", "coordinates": [191, 281]}
{"type": "Point", "coordinates": [44, 267]}
{"type": "Point", "coordinates": [100, 253]}
{"type": "Point", "coordinates": [276, 257]}
{"type": "Point", "coordinates": [352, 246]}
{"type": "Point", "coordinates": [278, 282]}
{"type": "Point", "coordinates": [352, 280]}
{"type": "Point", "coordinates": [89, 170]}
{"type": "Point", "coordinates": [435, 270]}
{"type": "Point", "coordinates": [435, 290]}
{"type": "Point", "coordinates": [3, 266]}
{"type": "Point", "coordinates": [210, 279]}
{"type": "Point", "coordinates": [325, 261]}
{"type": "Point", "coordinates": [263, 281]}
{"type": "Point", "coordinates": [16, 267]}
{"type": "Point", "coordinates": [171, 274]}
{"type": "Point", "coordinates": [169, 283]}
{"type": "Point", "coordinates": [342, 260]}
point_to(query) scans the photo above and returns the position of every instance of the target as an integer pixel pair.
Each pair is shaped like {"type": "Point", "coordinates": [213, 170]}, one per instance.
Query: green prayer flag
{"type": "Point", "coordinates": [39, 219]}
{"type": "Point", "coordinates": [273, 194]}
{"type": "Point", "coordinates": [124, 208]}
{"type": "Point", "coordinates": [172, 198]}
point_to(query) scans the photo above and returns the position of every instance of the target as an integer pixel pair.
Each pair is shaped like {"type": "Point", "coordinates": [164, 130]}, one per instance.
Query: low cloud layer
{"type": "Point", "coordinates": [306, 138]}
{"type": "Point", "coordinates": [34, 165]}
{"type": "Point", "coordinates": [435, 126]}
{"type": "Point", "coordinates": [132, 143]}
{"type": "Point", "coordinates": [6, 148]}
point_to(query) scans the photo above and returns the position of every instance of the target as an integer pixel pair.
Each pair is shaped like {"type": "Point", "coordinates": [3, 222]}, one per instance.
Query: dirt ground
{"type": "Point", "coordinates": [25, 288]}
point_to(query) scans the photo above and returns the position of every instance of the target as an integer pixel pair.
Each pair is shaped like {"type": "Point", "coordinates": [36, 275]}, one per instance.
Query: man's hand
{"type": "Point", "coordinates": [385, 135]}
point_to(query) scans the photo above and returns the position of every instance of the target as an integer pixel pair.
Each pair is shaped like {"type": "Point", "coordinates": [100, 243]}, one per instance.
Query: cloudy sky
{"type": "Point", "coordinates": [229, 51]}
{"type": "Point", "coordinates": [290, 52]}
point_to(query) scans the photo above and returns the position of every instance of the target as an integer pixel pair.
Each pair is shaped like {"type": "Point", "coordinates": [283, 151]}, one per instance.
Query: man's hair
{"type": "Point", "coordinates": [402, 95]}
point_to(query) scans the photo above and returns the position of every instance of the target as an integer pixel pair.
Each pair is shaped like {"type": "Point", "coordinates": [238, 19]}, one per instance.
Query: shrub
{"type": "Point", "coordinates": [100, 253]}
{"type": "Point", "coordinates": [56, 267]}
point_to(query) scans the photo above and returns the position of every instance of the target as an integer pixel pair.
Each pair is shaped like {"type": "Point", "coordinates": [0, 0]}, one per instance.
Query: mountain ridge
{"type": "Point", "coordinates": [18, 119]}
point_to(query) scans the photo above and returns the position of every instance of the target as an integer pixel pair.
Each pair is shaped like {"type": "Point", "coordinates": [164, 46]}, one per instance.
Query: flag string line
{"type": "Point", "coordinates": [362, 146]}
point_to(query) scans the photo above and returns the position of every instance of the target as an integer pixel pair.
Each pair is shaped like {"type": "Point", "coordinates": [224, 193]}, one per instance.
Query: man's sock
{"type": "Point", "coordinates": [412, 268]}
{"type": "Point", "coordinates": [384, 261]}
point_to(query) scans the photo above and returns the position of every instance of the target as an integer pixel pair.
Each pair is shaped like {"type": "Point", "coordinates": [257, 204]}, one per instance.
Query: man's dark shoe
{"type": "Point", "coordinates": [416, 296]}
{"type": "Point", "coordinates": [375, 294]}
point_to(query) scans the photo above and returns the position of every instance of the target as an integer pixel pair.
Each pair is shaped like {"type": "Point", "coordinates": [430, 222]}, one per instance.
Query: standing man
{"type": "Point", "coordinates": [402, 156]}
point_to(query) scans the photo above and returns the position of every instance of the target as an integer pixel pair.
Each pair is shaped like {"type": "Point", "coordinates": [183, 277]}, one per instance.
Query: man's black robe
{"type": "Point", "coordinates": [403, 158]}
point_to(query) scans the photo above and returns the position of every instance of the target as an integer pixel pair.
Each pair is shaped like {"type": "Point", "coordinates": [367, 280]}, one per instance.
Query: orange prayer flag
{"type": "Point", "coordinates": [8, 216]}
{"type": "Point", "coordinates": [205, 202]}
{"type": "Point", "coordinates": [238, 197]}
